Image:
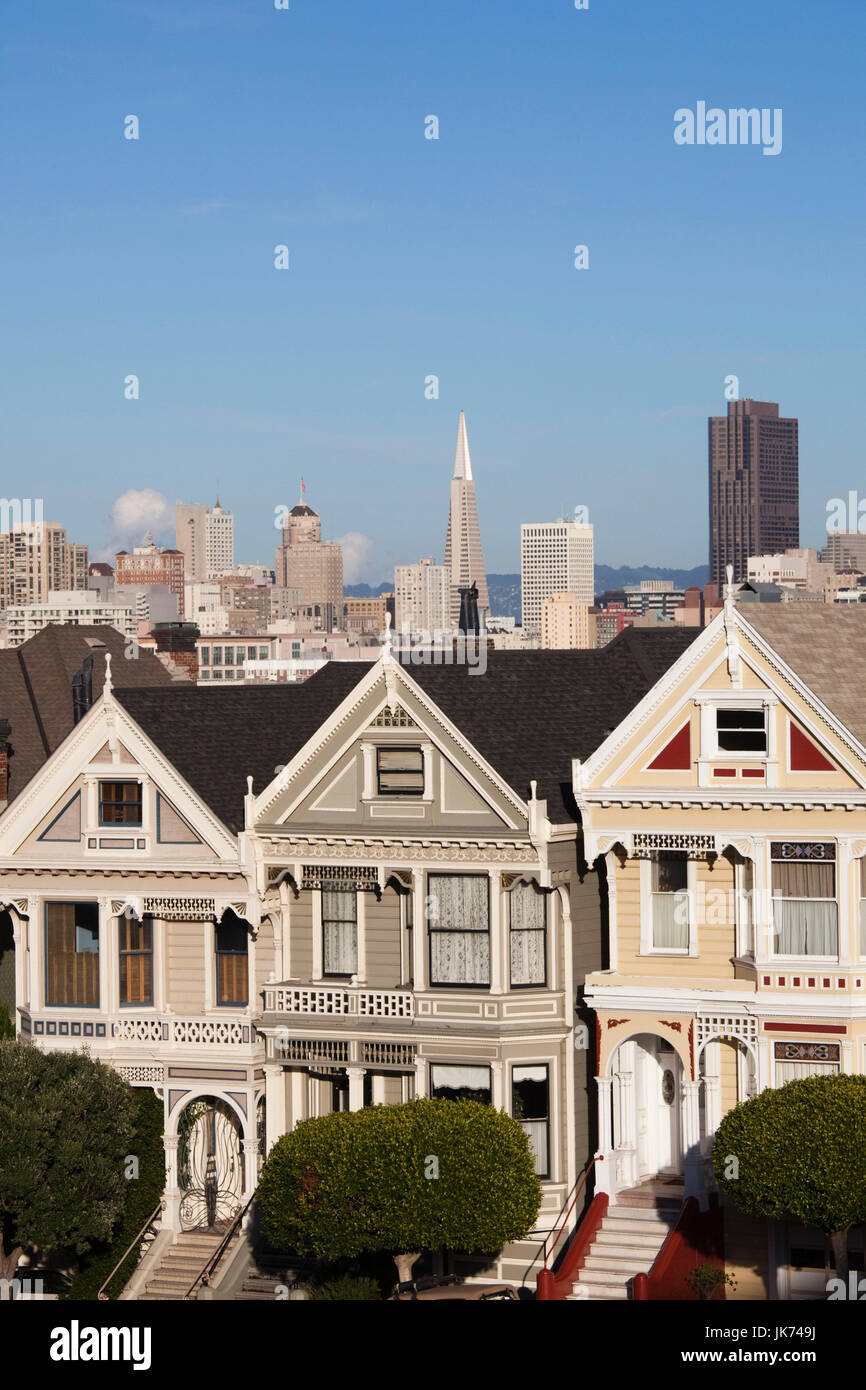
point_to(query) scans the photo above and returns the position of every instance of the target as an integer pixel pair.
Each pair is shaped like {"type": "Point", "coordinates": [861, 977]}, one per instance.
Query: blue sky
{"type": "Point", "coordinates": [411, 257]}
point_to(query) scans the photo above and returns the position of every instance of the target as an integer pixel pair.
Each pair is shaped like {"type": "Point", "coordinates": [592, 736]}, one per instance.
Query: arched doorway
{"type": "Point", "coordinates": [647, 1098]}
{"type": "Point", "coordinates": [210, 1164]}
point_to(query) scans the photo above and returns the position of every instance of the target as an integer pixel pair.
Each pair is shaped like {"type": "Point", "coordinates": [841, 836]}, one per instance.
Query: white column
{"type": "Point", "coordinates": [36, 952]}
{"type": "Point", "coordinates": [603, 1160]}
{"type": "Point", "coordinates": [22, 993]}
{"type": "Point", "coordinates": [762, 907]}
{"type": "Point", "coordinates": [419, 930]}
{"type": "Point", "coordinates": [253, 1003]}
{"type": "Point", "coordinates": [691, 1120]}
{"type": "Point", "coordinates": [368, 763]}
{"type": "Point", "coordinates": [251, 1152]}
{"type": "Point", "coordinates": [848, 907]}
{"type": "Point", "coordinates": [299, 1090]}
{"type": "Point", "coordinates": [318, 953]}
{"type": "Point", "coordinates": [361, 917]}
{"type": "Point", "coordinates": [109, 967]}
{"type": "Point", "coordinates": [498, 954]}
{"type": "Point", "coordinates": [172, 1184]}
{"type": "Point", "coordinates": [712, 1084]}
{"type": "Point", "coordinates": [420, 1077]}
{"type": "Point", "coordinates": [497, 1080]}
{"type": "Point", "coordinates": [427, 751]}
{"type": "Point", "coordinates": [356, 1087]}
{"type": "Point", "coordinates": [275, 1104]}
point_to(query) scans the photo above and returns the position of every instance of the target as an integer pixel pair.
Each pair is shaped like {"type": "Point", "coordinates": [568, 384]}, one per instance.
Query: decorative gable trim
{"type": "Point", "coordinates": [803, 754]}
{"type": "Point", "coordinates": [676, 756]}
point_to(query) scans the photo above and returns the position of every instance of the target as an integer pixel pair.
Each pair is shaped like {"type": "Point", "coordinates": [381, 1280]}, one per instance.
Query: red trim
{"type": "Point", "coordinates": [806, 756]}
{"type": "Point", "coordinates": [692, 1046]}
{"type": "Point", "coordinates": [616, 1022]}
{"type": "Point", "coordinates": [696, 1239]}
{"type": "Point", "coordinates": [575, 1256]}
{"type": "Point", "coordinates": [805, 1028]}
{"type": "Point", "coordinates": [676, 756]}
{"type": "Point", "coordinates": [752, 772]}
{"type": "Point", "coordinates": [724, 772]}
{"type": "Point", "coordinates": [666, 1023]}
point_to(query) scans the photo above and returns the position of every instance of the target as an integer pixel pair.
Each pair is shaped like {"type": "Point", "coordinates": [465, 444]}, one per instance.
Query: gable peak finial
{"type": "Point", "coordinates": [107, 685]}
{"type": "Point", "coordinates": [387, 638]}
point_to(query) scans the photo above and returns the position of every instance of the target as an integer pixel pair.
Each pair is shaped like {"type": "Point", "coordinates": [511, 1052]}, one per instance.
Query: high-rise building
{"type": "Point", "coordinates": [149, 565]}
{"type": "Point", "coordinates": [556, 557]}
{"type": "Point", "coordinates": [73, 608]}
{"type": "Point", "coordinates": [422, 597]}
{"type": "Point", "coordinates": [754, 486]}
{"type": "Point", "coordinates": [463, 555]}
{"type": "Point", "coordinates": [566, 624]}
{"type": "Point", "coordinates": [305, 562]}
{"type": "Point", "coordinates": [206, 539]}
{"type": "Point", "coordinates": [845, 550]}
{"type": "Point", "coordinates": [35, 560]}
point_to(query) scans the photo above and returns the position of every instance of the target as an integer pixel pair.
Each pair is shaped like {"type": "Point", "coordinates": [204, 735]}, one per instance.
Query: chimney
{"type": "Point", "coordinates": [5, 753]}
{"type": "Point", "coordinates": [176, 645]}
{"type": "Point", "coordinates": [82, 689]}
{"type": "Point", "coordinates": [469, 623]}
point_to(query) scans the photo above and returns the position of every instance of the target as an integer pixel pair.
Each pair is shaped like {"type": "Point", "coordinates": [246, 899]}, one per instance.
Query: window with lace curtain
{"type": "Point", "coordinates": [339, 931]}
{"type": "Point", "coordinates": [670, 900]}
{"type": "Point", "coordinates": [805, 914]}
{"type": "Point", "coordinates": [528, 935]}
{"type": "Point", "coordinates": [458, 916]}
{"type": "Point", "coordinates": [530, 1104]}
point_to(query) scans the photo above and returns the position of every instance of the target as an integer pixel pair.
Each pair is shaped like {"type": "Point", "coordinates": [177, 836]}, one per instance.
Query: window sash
{"type": "Point", "coordinates": [670, 921]}
{"type": "Point", "coordinates": [741, 730]}
{"type": "Point", "coordinates": [528, 938]}
{"type": "Point", "coordinates": [136, 960]}
{"type": "Point", "coordinates": [232, 977]}
{"type": "Point", "coordinates": [400, 771]}
{"type": "Point", "coordinates": [459, 929]}
{"type": "Point", "coordinates": [805, 927]}
{"type": "Point", "coordinates": [71, 974]}
{"type": "Point", "coordinates": [339, 931]}
{"type": "Point", "coordinates": [120, 803]}
{"type": "Point", "coordinates": [532, 1109]}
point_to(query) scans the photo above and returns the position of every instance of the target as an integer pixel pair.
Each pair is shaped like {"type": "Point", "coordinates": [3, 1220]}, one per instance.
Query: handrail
{"type": "Point", "coordinates": [210, 1265]}
{"type": "Point", "coordinates": [569, 1199]}
{"type": "Point", "coordinates": [135, 1239]}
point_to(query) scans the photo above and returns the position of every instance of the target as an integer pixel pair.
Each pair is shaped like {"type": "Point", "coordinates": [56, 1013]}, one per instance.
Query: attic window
{"type": "Point", "coordinates": [120, 803]}
{"type": "Point", "coordinates": [400, 771]}
{"type": "Point", "coordinates": [741, 730]}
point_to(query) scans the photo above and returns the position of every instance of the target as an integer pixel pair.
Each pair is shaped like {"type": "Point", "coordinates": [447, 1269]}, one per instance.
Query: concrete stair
{"type": "Point", "coordinates": [627, 1243]}
{"type": "Point", "coordinates": [180, 1265]}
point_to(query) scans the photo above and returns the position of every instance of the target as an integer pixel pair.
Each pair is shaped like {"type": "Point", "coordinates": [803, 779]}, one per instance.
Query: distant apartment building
{"type": "Point", "coordinates": [148, 565]}
{"type": "Point", "coordinates": [367, 614]}
{"type": "Point", "coordinates": [555, 558]}
{"type": "Point", "coordinates": [654, 596]}
{"type": "Point", "coordinates": [72, 607]}
{"type": "Point", "coordinates": [305, 562]}
{"type": "Point", "coordinates": [566, 624]}
{"type": "Point", "coordinates": [845, 550]}
{"type": "Point", "coordinates": [206, 539]}
{"type": "Point", "coordinates": [805, 571]}
{"type": "Point", "coordinates": [150, 603]}
{"type": "Point", "coordinates": [36, 559]}
{"type": "Point", "coordinates": [754, 486]}
{"type": "Point", "coordinates": [422, 597]}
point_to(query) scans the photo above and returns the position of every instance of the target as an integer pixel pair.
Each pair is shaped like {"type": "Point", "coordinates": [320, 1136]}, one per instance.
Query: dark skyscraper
{"type": "Point", "coordinates": [754, 486]}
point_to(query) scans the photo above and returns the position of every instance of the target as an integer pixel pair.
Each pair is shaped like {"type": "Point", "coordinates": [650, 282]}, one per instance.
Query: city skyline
{"type": "Point", "coordinates": [413, 258]}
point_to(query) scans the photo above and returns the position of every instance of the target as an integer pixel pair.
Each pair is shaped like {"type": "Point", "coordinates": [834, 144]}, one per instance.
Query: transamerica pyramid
{"type": "Point", "coordinates": [463, 554]}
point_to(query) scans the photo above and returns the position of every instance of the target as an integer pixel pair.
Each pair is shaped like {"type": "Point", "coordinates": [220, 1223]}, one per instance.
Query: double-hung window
{"type": "Point", "coordinates": [120, 803]}
{"type": "Point", "coordinates": [72, 954]}
{"type": "Point", "coordinates": [136, 960]}
{"type": "Point", "coordinates": [805, 914]}
{"type": "Point", "coordinates": [670, 900]}
{"type": "Point", "coordinates": [741, 730]}
{"type": "Point", "coordinates": [460, 1083]}
{"type": "Point", "coordinates": [231, 945]}
{"type": "Point", "coordinates": [400, 771]}
{"type": "Point", "coordinates": [339, 930]}
{"type": "Point", "coordinates": [458, 913]}
{"type": "Point", "coordinates": [528, 935]}
{"type": "Point", "coordinates": [530, 1104]}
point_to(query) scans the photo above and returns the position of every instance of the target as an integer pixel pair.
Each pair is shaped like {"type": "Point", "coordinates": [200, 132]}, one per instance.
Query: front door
{"type": "Point", "coordinates": [658, 1105]}
{"type": "Point", "coordinates": [211, 1169]}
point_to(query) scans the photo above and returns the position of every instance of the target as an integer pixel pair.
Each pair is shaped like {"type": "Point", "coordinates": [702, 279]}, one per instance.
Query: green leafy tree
{"type": "Point", "coordinates": [401, 1179]}
{"type": "Point", "coordinates": [799, 1153]}
{"type": "Point", "coordinates": [66, 1126]}
{"type": "Point", "coordinates": [7, 1027]}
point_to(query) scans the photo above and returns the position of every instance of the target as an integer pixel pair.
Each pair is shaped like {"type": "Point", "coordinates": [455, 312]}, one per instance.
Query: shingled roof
{"type": "Point", "coordinates": [36, 688]}
{"type": "Point", "coordinates": [529, 714]}
{"type": "Point", "coordinates": [826, 645]}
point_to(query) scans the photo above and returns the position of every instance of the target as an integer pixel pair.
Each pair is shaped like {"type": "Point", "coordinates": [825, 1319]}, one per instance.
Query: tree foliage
{"type": "Point", "coordinates": [66, 1125]}
{"type": "Point", "coordinates": [395, 1178]}
{"type": "Point", "coordinates": [800, 1153]}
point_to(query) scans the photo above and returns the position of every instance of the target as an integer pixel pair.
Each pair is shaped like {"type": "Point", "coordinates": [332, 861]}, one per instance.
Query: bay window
{"type": "Point", "coordinates": [458, 911]}
{"type": "Point", "coordinates": [805, 915]}
{"type": "Point", "coordinates": [136, 960]}
{"type": "Point", "coordinates": [528, 937]}
{"type": "Point", "coordinates": [339, 931]}
{"type": "Point", "coordinates": [530, 1104]}
{"type": "Point", "coordinates": [72, 954]}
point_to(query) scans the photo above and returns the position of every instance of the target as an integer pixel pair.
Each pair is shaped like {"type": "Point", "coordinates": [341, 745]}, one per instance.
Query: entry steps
{"type": "Point", "coordinates": [627, 1243]}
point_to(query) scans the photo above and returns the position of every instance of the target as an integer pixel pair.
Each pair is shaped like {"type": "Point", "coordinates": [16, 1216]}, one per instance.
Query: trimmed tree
{"type": "Point", "coordinates": [401, 1179]}
{"type": "Point", "coordinates": [66, 1126]}
{"type": "Point", "coordinates": [798, 1152]}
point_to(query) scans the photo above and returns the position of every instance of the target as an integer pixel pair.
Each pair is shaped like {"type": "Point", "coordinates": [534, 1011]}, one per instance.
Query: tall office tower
{"type": "Point", "coordinates": [463, 555]}
{"type": "Point", "coordinates": [36, 559]}
{"type": "Point", "coordinates": [148, 565]}
{"type": "Point", "coordinates": [422, 597]}
{"type": "Point", "coordinates": [206, 538]}
{"type": "Point", "coordinates": [556, 557]}
{"type": "Point", "coordinates": [845, 550]}
{"type": "Point", "coordinates": [754, 486]}
{"type": "Point", "coordinates": [305, 562]}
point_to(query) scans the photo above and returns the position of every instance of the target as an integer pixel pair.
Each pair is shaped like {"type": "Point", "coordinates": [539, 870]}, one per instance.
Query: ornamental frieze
{"type": "Point", "coordinates": [452, 850]}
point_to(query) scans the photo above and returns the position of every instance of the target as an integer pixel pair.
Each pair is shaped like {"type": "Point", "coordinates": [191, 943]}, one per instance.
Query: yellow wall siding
{"type": "Point", "coordinates": [186, 966]}
{"type": "Point", "coordinates": [728, 1075]}
{"type": "Point", "coordinates": [715, 925]}
{"type": "Point", "coordinates": [746, 1254]}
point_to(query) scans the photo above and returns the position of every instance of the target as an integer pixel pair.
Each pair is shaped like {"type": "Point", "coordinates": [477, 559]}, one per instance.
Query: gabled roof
{"type": "Point", "coordinates": [528, 716]}
{"type": "Point", "coordinates": [36, 688]}
{"type": "Point", "coordinates": [825, 645]}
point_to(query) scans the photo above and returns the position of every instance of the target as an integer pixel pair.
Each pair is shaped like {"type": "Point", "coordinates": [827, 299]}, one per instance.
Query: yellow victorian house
{"type": "Point", "coordinates": [727, 814]}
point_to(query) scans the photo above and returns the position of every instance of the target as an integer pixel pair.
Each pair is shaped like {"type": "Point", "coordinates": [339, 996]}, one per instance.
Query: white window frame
{"type": "Point", "coordinates": [837, 875]}
{"type": "Point", "coordinates": [647, 948]}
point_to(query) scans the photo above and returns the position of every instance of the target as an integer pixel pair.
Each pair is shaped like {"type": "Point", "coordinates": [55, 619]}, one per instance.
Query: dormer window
{"type": "Point", "coordinates": [120, 803]}
{"type": "Point", "coordinates": [741, 730]}
{"type": "Point", "coordinates": [400, 771]}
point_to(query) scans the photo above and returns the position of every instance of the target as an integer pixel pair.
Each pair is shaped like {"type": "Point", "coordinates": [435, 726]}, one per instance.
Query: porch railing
{"type": "Point", "coordinates": [203, 1278]}
{"type": "Point", "coordinates": [339, 1002]}
{"type": "Point", "coordinates": [183, 1032]}
{"type": "Point", "coordinates": [136, 1240]}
